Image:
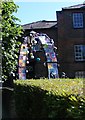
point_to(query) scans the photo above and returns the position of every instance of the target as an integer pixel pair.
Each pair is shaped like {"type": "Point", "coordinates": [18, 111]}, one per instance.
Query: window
{"type": "Point", "coordinates": [79, 52]}
{"type": "Point", "coordinates": [80, 74]}
{"type": "Point", "coordinates": [78, 20]}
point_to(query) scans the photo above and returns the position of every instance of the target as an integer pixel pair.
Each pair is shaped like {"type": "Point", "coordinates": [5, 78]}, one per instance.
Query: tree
{"type": "Point", "coordinates": [10, 43]}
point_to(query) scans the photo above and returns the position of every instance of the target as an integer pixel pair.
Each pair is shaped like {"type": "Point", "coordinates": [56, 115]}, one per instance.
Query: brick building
{"type": "Point", "coordinates": [68, 33]}
{"type": "Point", "coordinates": [71, 40]}
{"type": "Point", "coordinates": [47, 27]}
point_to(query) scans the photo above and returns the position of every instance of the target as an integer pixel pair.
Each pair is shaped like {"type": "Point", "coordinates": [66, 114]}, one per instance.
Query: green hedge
{"type": "Point", "coordinates": [60, 98]}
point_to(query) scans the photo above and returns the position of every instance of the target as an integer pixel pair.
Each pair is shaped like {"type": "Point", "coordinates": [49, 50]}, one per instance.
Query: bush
{"type": "Point", "coordinates": [58, 98]}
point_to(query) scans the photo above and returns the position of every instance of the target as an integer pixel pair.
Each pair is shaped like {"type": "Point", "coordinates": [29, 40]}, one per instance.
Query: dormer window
{"type": "Point", "coordinates": [78, 20]}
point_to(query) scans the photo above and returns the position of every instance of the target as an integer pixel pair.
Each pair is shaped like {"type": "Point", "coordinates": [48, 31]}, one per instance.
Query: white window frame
{"type": "Point", "coordinates": [78, 20]}
{"type": "Point", "coordinates": [79, 52]}
{"type": "Point", "coordinates": [80, 74]}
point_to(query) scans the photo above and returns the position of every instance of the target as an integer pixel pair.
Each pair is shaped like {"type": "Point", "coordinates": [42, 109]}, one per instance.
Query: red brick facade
{"type": "Point", "coordinates": [68, 37]}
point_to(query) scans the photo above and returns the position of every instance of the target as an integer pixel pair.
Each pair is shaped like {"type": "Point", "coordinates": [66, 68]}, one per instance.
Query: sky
{"type": "Point", "coordinates": [35, 10]}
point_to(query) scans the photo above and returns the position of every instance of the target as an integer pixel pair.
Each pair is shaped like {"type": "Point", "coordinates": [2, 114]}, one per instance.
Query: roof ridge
{"type": "Point", "coordinates": [75, 6]}
{"type": "Point", "coordinates": [38, 22]}
{"type": "Point", "coordinates": [31, 23]}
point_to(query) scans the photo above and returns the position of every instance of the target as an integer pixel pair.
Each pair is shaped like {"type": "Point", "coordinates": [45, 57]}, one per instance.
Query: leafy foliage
{"type": "Point", "coordinates": [60, 98]}
{"type": "Point", "coordinates": [10, 33]}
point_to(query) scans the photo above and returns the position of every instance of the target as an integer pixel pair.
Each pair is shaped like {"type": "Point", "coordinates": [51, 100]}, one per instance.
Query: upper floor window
{"type": "Point", "coordinates": [78, 20]}
{"type": "Point", "coordinates": [79, 52]}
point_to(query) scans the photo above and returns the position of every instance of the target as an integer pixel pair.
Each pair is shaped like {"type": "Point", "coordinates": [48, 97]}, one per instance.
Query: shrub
{"type": "Point", "coordinates": [58, 98]}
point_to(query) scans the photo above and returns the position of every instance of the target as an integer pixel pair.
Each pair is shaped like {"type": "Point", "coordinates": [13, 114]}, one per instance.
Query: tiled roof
{"type": "Point", "coordinates": [40, 25]}
{"type": "Point", "coordinates": [79, 6]}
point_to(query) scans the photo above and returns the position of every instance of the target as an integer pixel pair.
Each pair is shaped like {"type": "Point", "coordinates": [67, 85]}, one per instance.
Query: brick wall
{"type": "Point", "coordinates": [67, 38]}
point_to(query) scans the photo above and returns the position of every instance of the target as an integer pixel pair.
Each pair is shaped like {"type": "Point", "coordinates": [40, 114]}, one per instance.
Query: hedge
{"type": "Point", "coordinates": [59, 98]}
